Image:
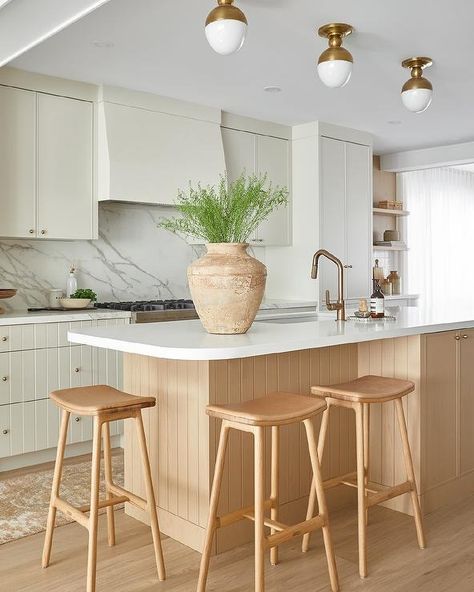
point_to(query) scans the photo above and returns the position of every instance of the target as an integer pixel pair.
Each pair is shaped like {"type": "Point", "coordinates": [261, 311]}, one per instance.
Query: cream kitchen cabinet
{"type": "Point", "coordinates": [345, 215]}
{"type": "Point", "coordinates": [46, 166]}
{"type": "Point", "coordinates": [257, 153]}
{"type": "Point", "coordinates": [449, 382]}
{"type": "Point", "coordinates": [36, 359]}
{"type": "Point", "coordinates": [17, 162]}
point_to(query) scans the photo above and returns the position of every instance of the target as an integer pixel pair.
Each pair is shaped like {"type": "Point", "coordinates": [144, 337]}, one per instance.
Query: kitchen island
{"type": "Point", "coordinates": [186, 368]}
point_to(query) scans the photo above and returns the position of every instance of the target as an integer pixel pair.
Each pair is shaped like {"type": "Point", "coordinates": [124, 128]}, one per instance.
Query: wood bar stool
{"type": "Point", "coordinates": [254, 416]}
{"type": "Point", "coordinates": [105, 404]}
{"type": "Point", "coordinates": [358, 395]}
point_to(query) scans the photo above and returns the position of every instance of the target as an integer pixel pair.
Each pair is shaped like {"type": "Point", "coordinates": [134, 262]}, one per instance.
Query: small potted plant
{"type": "Point", "coordinates": [227, 284]}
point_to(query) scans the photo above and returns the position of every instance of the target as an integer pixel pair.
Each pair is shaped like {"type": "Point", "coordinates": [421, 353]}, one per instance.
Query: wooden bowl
{"type": "Point", "coordinates": [6, 293]}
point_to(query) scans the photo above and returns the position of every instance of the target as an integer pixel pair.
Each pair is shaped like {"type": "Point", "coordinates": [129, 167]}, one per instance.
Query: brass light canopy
{"type": "Point", "coordinates": [335, 63]}
{"type": "Point", "coordinates": [226, 10]}
{"type": "Point", "coordinates": [417, 92]}
{"type": "Point", "coordinates": [226, 27]}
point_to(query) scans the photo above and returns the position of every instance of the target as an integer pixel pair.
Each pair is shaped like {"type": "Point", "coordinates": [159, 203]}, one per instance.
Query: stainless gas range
{"type": "Point", "coordinates": [154, 311]}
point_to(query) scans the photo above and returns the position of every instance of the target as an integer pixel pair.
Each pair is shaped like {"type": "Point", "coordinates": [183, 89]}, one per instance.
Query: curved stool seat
{"type": "Point", "coordinates": [105, 404]}
{"type": "Point", "coordinates": [367, 389]}
{"type": "Point", "coordinates": [281, 409]}
{"type": "Point", "coordinates": [253, 416]}
{"type": "Point", "coordinates": [358, 395]}
{"type": "Point", "coordinates": [87, 400]}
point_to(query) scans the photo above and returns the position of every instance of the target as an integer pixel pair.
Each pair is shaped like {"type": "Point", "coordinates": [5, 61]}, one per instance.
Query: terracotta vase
{"type": "Point", "coordinates": [227, 287]}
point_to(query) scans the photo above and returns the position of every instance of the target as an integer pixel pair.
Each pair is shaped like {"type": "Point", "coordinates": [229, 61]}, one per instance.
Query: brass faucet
{"type": "Point", "coordinates": [339, 306]}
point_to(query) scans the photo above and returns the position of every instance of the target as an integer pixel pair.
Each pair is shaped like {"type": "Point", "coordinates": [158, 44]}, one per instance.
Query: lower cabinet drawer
{"type": "Point", "coordinates": [33, 426]}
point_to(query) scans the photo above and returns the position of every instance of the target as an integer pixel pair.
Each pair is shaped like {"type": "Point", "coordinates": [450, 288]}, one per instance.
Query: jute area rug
{"type": "Point", "coordinates": [24, 499]}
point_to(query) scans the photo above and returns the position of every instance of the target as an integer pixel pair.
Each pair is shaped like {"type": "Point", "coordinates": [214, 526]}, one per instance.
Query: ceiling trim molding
{"type": "Point", "coordinates": [428, 158]}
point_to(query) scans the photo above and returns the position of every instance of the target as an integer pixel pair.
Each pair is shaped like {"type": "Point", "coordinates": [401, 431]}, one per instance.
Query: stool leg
{"type": "Point", "coordinates": [150, 498]}
{"type": "Point", "coordinates": [58, 471]}
{"type": "Point", "coordinates": [361, 491]}
{"type": "Point", "coordinates": [274, 493]}
{"type": "Point", "coordinates": [94, 507]}
{"type": "Point", "coordinates": [323, 510]}
{"type": "Point", "coordinates": [259, 445]}
{"type": "Point", "coordinates": [312, 494]}
{"type": "Point", "coordinates": [214, 501]}
{"type": "Point", "coordinates": [366, 451]}
{"type": "Point", "coordinates": [108, 483]}
{"type": "Point", "coordinates": [410, 473]}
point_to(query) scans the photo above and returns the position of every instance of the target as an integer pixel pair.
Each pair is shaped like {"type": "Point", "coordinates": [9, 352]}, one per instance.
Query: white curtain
{"type": "Point", "coordinates": [440, 236]}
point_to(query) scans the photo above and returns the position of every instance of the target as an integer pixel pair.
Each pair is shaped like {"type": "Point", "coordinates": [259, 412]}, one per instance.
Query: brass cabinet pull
{"type": "Point", "coordinates": [465, 336]}
{"type": "Point", "coordinates": [43, 231]}
{"type": "Point", "coordinates": [4, 338]}
{"type": "Point", "coordinates": [5, 432]}
{"type": "Point", "coordinates": [76, 369]}
{"type": "Point", "coordinates": [457, 337]}
{"type": "Point", "coordinates": [257, 240]}
{"type": "Point", "coordinates": [77, 419]}
{"type": "Point", "coordinates": [31, 231]}
{"type": "Point", "coordinates": [4, 378]}
{"type": "Point", "coordinates": [347, 266]}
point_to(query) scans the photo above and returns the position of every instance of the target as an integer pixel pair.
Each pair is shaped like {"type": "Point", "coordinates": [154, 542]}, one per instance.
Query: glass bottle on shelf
{"type": "Point", "coordinates": [377, 302]}
{"type": "Point", "coordinates": [396, 282]}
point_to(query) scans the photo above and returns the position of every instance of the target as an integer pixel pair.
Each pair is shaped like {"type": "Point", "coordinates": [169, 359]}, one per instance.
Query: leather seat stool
{"type": "Point", "coordinates": [254, 416]}
{"type": "Point", "coordinates": [104, 404]}
{"type": "Point", "coordinates": [358, 395]}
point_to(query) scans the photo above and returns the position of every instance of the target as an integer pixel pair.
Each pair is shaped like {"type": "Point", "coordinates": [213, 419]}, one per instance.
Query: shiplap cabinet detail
{"type": "Point", "coordinates": [257, 153]}
{"type": "Point", "coordinates": [345, 215]}
{"type": "Point", "coordinates": [46, 166]}
{"type": "Point", "coordinates": [36, 359]}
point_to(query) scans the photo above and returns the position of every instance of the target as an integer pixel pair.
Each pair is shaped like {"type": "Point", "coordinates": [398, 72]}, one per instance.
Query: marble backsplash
{"type": "Point", "coordinates": [133, 259]}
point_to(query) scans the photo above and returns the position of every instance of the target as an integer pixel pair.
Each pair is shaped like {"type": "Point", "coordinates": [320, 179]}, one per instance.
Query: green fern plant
{"type": "Point", "coordinates": [228, 212]}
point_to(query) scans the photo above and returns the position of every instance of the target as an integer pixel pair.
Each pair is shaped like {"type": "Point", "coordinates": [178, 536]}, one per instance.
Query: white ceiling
{"type": "Point", "coordinates": [25, 23]}
{"type": "Point", "coordinates": [159, 46]}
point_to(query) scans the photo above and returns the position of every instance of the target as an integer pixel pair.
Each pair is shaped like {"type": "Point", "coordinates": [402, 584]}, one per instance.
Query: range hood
{"type": "Point", "coordinates": [149, 147]}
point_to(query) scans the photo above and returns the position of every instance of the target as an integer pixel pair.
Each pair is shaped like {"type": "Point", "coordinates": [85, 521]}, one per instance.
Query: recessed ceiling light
{"type": "Point", "coordinates": [394, 122]}
{"type": "Point", "coordinates": [103, 44]}
{"type": "Point", "coordinates": [272, 89]}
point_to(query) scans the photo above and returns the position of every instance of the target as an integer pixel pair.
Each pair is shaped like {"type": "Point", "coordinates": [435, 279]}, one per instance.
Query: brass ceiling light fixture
{"type": "Point", "coordinates": [335, 63]}
{"type": "Point", "coordinates": [226, 27]}
{"type": "Point", "coordinates": [418, 91]}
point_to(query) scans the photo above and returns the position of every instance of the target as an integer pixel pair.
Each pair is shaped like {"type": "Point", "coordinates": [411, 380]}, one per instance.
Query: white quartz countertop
{"type": "Point", "coordinates": [23, 317]}
{"type": "Point", "coordinates": [187, 340]}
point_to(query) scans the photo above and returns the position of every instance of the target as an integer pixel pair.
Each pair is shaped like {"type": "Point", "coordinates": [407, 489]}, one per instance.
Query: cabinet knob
{"type": "Point", "coordinates": [347, 266]}
{"type": "Point", "coordinates": [77, 419]}
{"type": "Point", "coordinates": [76, 369]}
{"type": "Point", "coordinates": [31, 230]}
{"type": "Point", "coordinates": [5, 432]}
{"type": "Point", "coordinates": [4, 338]}
{"type": "Point", "coordinates": [465, 336]}
{"type": "Point", "coordinates": [4, 378]}
{"type": "Point", "coordinates": [43, 231]}
{"type": "Point", "coordinates": [457, 337]}
{"type": "Point", "coordinates": [257, 240]}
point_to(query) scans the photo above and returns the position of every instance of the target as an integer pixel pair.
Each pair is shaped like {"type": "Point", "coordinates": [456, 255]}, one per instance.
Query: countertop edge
{"type": "Point", "coordinates": [252, 350]}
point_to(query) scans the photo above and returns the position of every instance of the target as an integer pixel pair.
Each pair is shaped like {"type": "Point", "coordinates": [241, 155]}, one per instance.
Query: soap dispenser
{"type": "Point", "coordinates": [71, 286]}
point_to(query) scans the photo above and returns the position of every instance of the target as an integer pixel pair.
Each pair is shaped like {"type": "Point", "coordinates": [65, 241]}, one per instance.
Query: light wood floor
{"type": "Point", "coordinates": [395, 562]}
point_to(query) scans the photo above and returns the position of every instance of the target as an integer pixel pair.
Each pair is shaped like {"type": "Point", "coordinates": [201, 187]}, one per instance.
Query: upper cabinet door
{"type": "Point", "coordinates": [65, 168]}
{"type": "Point", "coordinates": [358, 220]}
{"type": "Point", "coordinates": [332, 208]}
{"type": "Point", "coordinates": [17, 162]}
{"type": "Point", "coordinates": [273, 159]}
{"type": "Point", "coordinates": [253, 153]}
{"type": "Point", "coordinates": [239, 152]}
